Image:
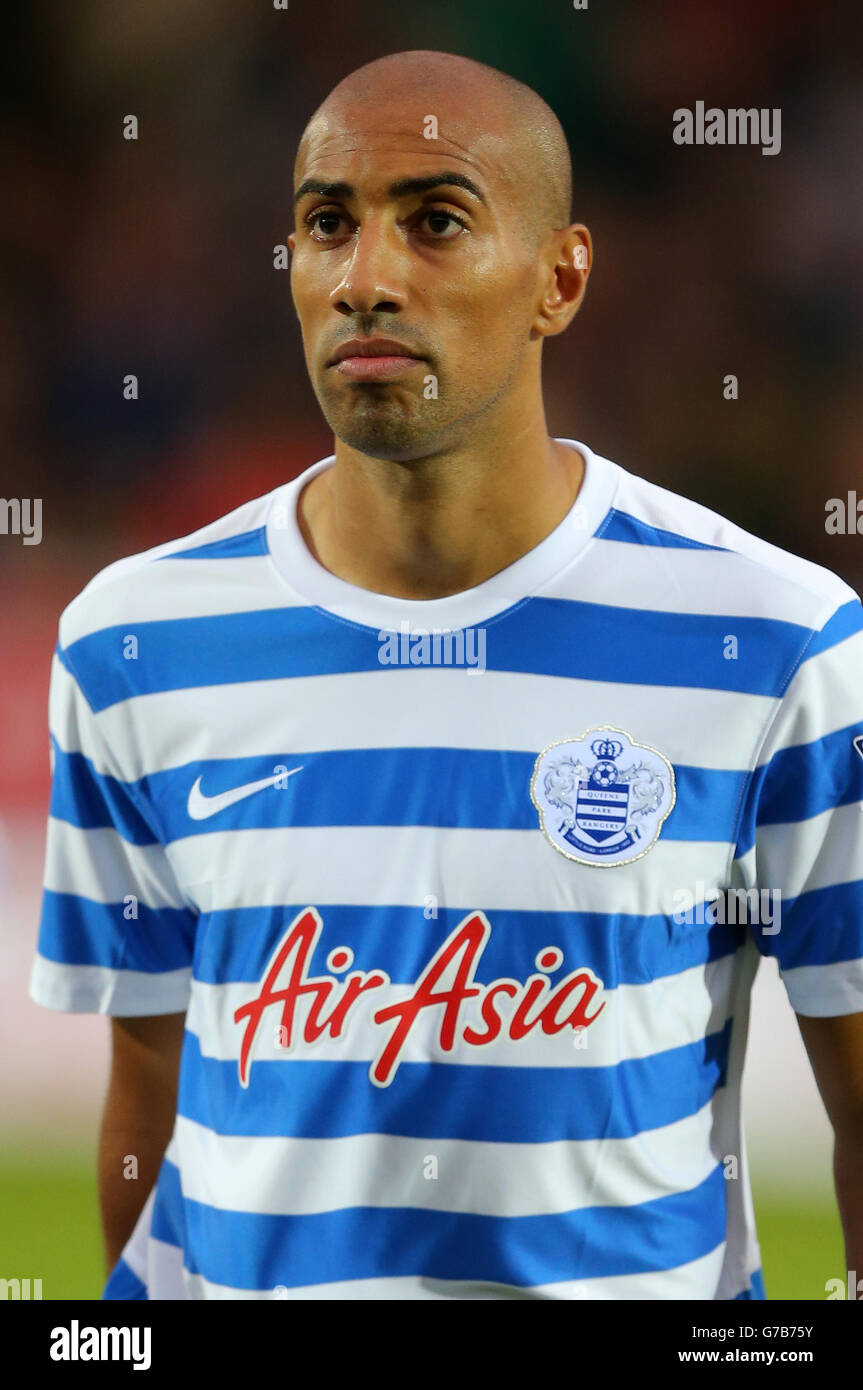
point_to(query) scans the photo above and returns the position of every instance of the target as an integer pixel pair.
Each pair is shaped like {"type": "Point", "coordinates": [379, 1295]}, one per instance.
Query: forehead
{"type": "Point", "coordinates": [371, 149]}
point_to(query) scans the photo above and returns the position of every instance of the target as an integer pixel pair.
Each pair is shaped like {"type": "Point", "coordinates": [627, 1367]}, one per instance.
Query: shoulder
{"type": "Point", "coordinates": [160, 583]}
{"type": "Point", "coordinates": [777, 583]}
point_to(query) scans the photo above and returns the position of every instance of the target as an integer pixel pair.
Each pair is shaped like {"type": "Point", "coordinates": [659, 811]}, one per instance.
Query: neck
{"type": "Point", "coordinates": [442, 524]}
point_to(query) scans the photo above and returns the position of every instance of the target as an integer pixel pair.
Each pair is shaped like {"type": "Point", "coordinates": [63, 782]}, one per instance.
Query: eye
{"type": "Point", "coordinates": [437, 216]}
{"type": "Point", "coordinates": [317, 220]}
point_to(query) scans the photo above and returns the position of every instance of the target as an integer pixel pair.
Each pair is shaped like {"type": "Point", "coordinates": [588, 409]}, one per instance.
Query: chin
{"type": "Point", "coordinates": [397, 441]}
{"type": "Point", "coordinates": [388, 452]}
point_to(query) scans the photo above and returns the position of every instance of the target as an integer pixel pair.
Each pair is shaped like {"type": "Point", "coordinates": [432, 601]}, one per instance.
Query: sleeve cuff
{"type": "Point", "coordinates": [95, 989]}
{"type": "Point", "coordinates": [822, 991]}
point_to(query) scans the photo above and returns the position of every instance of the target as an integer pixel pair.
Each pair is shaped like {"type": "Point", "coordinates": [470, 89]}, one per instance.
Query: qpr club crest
{"type": "Point", "coordinates": [602, 798]}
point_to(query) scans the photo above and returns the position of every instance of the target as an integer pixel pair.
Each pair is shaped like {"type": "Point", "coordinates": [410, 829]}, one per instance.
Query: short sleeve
{"type": "Point", "coordinates": [115, 934]}
{"type": "Point", "coordinates": [800, 844]}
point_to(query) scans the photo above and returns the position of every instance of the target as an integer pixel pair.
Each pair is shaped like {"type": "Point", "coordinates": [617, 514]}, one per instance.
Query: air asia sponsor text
{"type": "Point", "coordinates": [447, 981]}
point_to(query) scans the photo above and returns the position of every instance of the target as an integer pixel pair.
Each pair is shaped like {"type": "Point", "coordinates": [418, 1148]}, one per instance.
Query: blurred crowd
{"type": "Point", "coordinates": [154, 257]}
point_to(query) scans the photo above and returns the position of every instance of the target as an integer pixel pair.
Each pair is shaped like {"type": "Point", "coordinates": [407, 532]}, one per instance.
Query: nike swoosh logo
{"type": "Point", "coordinates": [201, 807]}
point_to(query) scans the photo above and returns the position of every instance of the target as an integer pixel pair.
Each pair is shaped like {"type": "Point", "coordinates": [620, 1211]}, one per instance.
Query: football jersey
{"type": "Point", "coordinates": [463, 898]}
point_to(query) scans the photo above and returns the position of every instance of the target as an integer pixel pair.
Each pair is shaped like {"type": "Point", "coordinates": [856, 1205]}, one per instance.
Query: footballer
{"type": "Point", "coordinates": [374, 802]}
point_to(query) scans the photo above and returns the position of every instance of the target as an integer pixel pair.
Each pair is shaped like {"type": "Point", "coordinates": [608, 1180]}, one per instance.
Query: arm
{"type": "Point", "coordinates": [835, 1048]}
{"type": "Point", "coordinates": [138, 1119]}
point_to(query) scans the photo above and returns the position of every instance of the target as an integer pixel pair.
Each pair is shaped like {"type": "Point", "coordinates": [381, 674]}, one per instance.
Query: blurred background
{"type": "Point", "coordinates": [155, 257]}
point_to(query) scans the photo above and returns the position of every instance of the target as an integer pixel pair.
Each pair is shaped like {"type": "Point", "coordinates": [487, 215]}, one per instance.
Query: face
{"type": "Point", "coordinates": [447, 270]}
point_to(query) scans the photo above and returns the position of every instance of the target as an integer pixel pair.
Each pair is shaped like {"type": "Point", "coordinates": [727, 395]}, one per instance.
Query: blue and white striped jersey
{"type": "Point", "coordinates": [453, 894]}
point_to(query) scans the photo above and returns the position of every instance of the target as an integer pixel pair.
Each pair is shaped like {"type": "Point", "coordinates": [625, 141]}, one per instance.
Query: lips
{"type": "Point", "coordinates": [371, 347]}
{"type": "Point", "coordinates": [374, 359]}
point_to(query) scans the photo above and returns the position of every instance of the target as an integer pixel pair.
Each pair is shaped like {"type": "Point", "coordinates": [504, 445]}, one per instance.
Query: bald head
{"type": "Point", "coordinates": [432, 202]}
{"type": "Point", "coordinates": [479, 109]}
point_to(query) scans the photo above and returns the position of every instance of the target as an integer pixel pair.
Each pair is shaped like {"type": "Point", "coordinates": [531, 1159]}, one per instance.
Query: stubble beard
{"type": "Point", "coordinates": [396, 430]}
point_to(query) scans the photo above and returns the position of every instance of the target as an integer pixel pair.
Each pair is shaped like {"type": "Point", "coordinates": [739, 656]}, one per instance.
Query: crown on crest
{"type": "Point", "coordinates": [607, 748]}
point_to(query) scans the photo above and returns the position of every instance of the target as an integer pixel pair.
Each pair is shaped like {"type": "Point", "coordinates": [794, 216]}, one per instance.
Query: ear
{"type": "Point", "coordinates": [570, 258]}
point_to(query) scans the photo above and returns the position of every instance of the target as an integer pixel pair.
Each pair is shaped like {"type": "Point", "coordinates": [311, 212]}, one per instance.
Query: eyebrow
{"type": "Point", "coordinates": [400, 189]}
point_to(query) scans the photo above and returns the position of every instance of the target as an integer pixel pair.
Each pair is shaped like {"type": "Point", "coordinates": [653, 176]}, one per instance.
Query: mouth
{"type": "Point", "coordinates": [374, 359]}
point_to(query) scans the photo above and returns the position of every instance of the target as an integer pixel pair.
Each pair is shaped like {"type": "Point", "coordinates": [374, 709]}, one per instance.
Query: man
{"type": "Point", "coordinates": [410, 801]}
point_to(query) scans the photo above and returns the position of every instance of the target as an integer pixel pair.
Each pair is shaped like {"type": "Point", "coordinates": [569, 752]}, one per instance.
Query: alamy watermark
{"type": "Point", "coordinates": [844, 518]}
{"type": "Point", "coordinates": [77, 1343]}
{"type": "Point", "coordinates": [735, 906]}
{"type": "Point", "coordinates": [737, 126]}
{"type": "Point", "coordinates": [850, 1288]}
{"type": "Point", "coordinates": [22, 1290]}
{"type": "Point", "coordinates": [22, 516]}
{"type": "Point", "coordinates": [418, 646]}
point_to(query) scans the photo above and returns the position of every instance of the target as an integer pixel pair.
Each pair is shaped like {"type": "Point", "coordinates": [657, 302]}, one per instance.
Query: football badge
{"type": "Point", "coordinates": [602, 798]}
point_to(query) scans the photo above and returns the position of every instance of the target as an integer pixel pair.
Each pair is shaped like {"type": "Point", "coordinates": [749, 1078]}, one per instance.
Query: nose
{"type": "Point", "coordinates": [374, 277]}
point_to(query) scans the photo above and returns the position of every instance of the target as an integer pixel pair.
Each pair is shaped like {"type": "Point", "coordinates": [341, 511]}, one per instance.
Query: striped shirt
{"type": "Point", "coordinates": [463, 898]}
